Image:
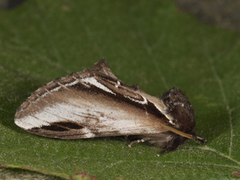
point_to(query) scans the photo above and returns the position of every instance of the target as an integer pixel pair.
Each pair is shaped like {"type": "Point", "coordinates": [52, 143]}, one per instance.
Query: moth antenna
{"type": "Point", "coordinates": [189, 136]}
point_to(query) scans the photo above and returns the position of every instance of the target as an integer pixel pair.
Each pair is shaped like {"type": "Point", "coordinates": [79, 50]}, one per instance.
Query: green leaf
{"type": "Point", "coordinates": [149, 43]}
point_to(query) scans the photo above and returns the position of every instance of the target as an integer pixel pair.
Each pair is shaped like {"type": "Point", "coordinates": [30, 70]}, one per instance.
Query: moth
{"type": "Point", "coordinates": [95, 103]}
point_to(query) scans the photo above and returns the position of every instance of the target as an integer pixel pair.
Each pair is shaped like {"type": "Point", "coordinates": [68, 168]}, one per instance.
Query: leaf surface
{"type": "Point", "coordinates": [151, 44]}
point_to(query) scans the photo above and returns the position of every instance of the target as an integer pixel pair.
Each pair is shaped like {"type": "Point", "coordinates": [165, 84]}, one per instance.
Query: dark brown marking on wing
{"type": "Point", "coordinates": [63, 126]}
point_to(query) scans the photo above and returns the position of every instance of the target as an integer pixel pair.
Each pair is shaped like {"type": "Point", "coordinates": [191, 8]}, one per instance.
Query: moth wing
{"type": "Point", "coordinates": [74, 114]}
{"type": "Point", "coordinates": [91, 103]}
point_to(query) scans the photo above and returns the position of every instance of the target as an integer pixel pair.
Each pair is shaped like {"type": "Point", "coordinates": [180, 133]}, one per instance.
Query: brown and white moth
{"type": "Point", "coordinates": [95, 103]}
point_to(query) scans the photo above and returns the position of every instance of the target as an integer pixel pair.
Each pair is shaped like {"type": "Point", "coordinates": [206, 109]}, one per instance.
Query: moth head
{"type": "Point", "coordinates": [179, 107]}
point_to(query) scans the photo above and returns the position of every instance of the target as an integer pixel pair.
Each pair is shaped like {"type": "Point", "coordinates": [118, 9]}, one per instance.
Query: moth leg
{"type": "Point", "coordinates": [172, 146]}
{"type": "Point", "coordinates": [166, 150]}
{"type": "Point", "coordinates": [139, 141]}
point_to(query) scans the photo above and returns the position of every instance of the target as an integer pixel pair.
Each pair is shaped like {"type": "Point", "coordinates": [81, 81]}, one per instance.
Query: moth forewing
{"type": "Point", "coordinates": [94, 103]}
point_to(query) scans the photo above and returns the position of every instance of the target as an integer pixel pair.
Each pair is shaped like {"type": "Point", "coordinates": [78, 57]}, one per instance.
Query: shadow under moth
{"type": "Point", "coordinates": [95, 103]}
